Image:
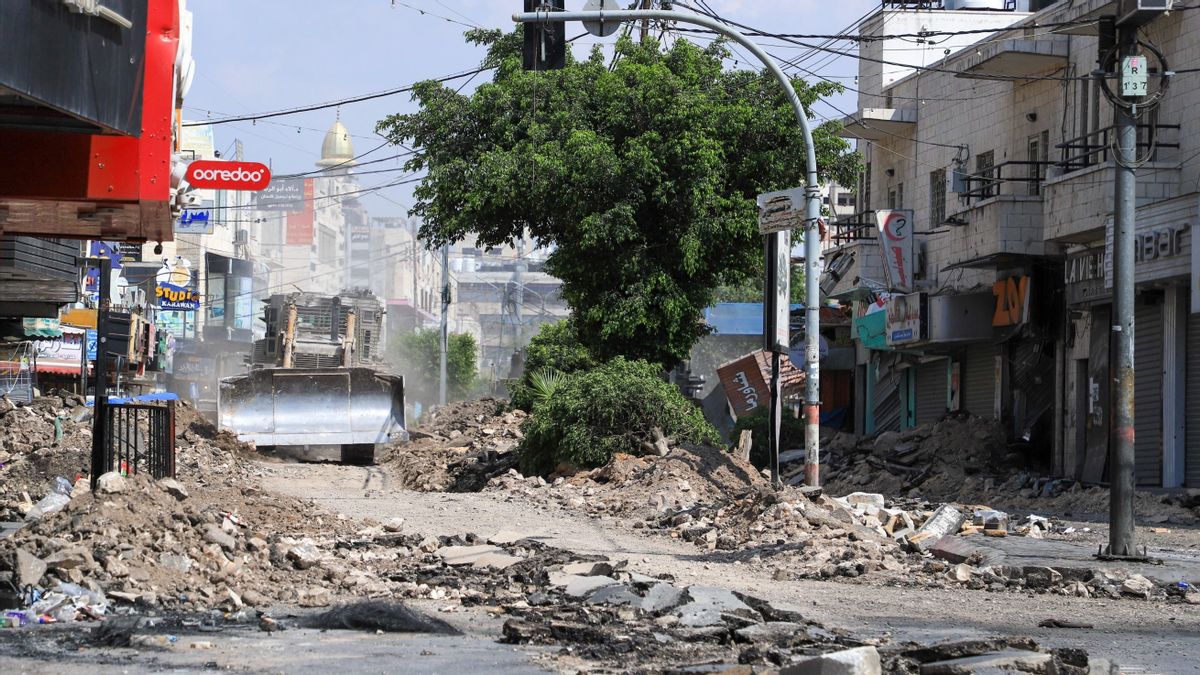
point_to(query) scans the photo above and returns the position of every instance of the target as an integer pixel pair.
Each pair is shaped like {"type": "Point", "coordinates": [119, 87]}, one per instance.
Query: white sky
{"type": "Point", "coordinates": [262, 55]}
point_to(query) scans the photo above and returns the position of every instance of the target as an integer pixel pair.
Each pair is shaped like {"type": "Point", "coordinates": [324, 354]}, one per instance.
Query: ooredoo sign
{"type": "Point", "coordinates": [213, 175]}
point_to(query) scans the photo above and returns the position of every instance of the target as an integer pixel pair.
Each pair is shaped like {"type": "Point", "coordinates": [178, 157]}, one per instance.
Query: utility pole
{"type": "Point", "coordinates": [645, 22]}
{"type": "Point", "coordinates": [445, 334]}
{"type": "Point", "coordinates": [1121, 457]}
{"type": "Point", "coordinates": [1132, 97]}
{"type": "Point", "coordinates": [100, 463]}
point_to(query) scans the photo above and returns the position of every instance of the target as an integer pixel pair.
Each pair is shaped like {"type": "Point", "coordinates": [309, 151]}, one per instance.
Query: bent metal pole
{"type": "Point", "coordinates": [812, 204]}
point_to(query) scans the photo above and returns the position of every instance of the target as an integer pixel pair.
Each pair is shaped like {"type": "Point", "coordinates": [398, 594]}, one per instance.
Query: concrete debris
{"type": "Point", "coordinates": [857, 661]}
{"type": "Point", "coordinates": [1012, 660]}
{"type": "Point", "coordinates": [1137, 586]}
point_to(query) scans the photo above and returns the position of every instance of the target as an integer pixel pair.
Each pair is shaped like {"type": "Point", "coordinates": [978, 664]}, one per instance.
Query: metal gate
{"type": "Point", "coordinates": [979, 381]}
{"type": "Point", "coordinates": [140, 438]}
{"type": "Point", "coordinates": [931, 392]}
{"type": "Point", "coordinates": [1192, 403]}
{"type": "Point", "coordinates": [1147, 392]}
{"type": "Point", "coordinates": [887, 396]}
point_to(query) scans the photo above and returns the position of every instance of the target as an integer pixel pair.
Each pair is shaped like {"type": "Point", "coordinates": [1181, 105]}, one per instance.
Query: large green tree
{"type": "Point", "coordinates": [639, 175]}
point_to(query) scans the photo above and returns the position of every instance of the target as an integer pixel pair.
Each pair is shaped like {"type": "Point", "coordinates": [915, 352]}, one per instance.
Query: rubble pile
{"type": "Point", "coordinates": [162, 543]}
{"type": "Point", "coordinates": [39, 442]}
{"type": "Point", "coordinates": [458, 447]}
{"type": "Point", "coordinates": [965, 459]}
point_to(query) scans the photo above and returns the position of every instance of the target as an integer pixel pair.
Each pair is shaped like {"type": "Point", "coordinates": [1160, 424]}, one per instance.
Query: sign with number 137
{"type": "Point", "coordinates": [1134, 76]}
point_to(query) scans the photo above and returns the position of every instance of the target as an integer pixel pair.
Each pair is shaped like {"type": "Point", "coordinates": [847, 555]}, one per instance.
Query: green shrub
{"type": "Point", "coordinates": [791, 434]}
{"type": "Point", "coordinates": [555, 348]}
{"type": "Point", "coordinates": [609, 409]}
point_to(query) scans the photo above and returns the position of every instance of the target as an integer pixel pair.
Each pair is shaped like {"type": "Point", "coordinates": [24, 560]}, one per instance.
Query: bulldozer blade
{"type": "Point", "coordinates": [313, 407]}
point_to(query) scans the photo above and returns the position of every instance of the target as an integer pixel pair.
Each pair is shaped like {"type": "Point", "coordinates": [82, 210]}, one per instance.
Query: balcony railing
{"type": "Point", "coordinates": [1001, 179]}
{"type": "Point", "coordinates": [859, 227]}
{"type": "Point", "coordinates": [1096, 147]}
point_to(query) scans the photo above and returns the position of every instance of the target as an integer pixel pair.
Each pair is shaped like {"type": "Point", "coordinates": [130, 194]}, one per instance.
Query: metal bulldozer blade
{"type": "Point", "coordinates": [315, 413]}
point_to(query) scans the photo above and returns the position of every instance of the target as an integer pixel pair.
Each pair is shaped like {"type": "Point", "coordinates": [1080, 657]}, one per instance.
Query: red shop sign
{"type": "Point", "coordinates": [213, 175]}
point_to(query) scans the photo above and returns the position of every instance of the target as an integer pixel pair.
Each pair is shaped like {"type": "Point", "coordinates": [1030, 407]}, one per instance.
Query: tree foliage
{"type": "Point", "coordinates": [640, 177]}
{"type": "Point", "coordinates": [608, 409]}
{"type": "Point", "coordinates": [555, 348]}
{"type": "Point", "coordinates": [418, 356]}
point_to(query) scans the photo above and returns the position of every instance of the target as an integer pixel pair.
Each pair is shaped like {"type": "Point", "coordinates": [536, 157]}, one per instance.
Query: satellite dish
{"type": "Point", "coordinates": [601, 28]}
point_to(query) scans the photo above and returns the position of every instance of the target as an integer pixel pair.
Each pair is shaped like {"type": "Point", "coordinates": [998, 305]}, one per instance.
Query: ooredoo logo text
{"type": "Point", "coordinates": [214, 175]}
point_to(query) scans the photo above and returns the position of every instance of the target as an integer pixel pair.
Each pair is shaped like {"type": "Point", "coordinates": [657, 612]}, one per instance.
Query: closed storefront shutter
{"type": "Point", "coordinates": [1148, 403]}
{"type": "Point", "coordinates": [979, 380]}
{"type": "Point", "coordinates": [931, 392]}
{"type": "Point", "coordinates": [887, 399]}
{"type": "Point", "coordinates": [1192, 403]}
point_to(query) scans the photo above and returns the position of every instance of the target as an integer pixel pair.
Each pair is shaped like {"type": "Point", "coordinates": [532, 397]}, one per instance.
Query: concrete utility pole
{"type": "Point", "coordinates": [100, 428]}
{"type": "Point", "coordinates": [1121, 443]}
{"type": "Point", "coordinates": [646, 22]}
{"type": "Point", "coordinates": [812, 199]}
{"type": "Point", "coordinates": [445, 334]}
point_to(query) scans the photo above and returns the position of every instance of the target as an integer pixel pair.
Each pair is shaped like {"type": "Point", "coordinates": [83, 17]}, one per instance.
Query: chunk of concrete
{"type": "Point", "coordinates": [707, 606]}
{"type": "Point", "coordinates": [946, 520]}
{"type": "Point", "coordinates": [864, 499]}
{"type": "Point", "coordinates": [1018, 660]}
{"type": "Point", "coordinates": [466, 555]}
{"type": "Point", "coordinates": [661, 597]}
{"type": "Point", "coordinates": [213, 534]}
{"type": "Point", "coordinates": [772, 631]}
{"type": "Point", "coordinates": [30, 568]}
{"type": "Point", "coordinates": [857, 661]}
{"type": "Point", "coordinates": [580, 586]}
{"type": "Point", "coordinates": [173, 488]}
{"type": "Point", "coordinates": [496, 561]}
{"type": "Point", "coordinates": [613, 595]}
{"type": "Point", "coordinates": [110, 483]}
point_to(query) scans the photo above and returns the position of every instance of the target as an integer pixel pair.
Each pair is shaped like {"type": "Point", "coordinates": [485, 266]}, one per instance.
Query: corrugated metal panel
{"type": "Point", "coordinates": [979, 380]}
{"type": "Point", "coordinates": [887, 400]}
{"type": "Point", "coordinates": [45, 258]}
{"type": "Point", "coordinates": [1148, 403]}
{"type": "Point", "coordinates": [1192, 403]}
{"type": "Point", "coordinates": [931, 392]}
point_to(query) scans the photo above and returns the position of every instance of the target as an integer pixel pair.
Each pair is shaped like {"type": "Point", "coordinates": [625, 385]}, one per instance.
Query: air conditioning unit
{"type": "Point", "coordinates": [241, 237]}
{"type": "Point", "coordinates": [1135, 13]}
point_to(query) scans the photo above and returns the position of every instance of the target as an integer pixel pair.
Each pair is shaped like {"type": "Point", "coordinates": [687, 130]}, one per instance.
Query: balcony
{"type": "Point", "coordinates": [1008, 179]}
{"type": "Point", "coordinates": [877, 124]}
{"type": "Point", "coordinates": [1079, 192]}
{"type": "Point", "coordinates": [853, 264]}
{"type": "Point", "coordinates": [998, 212]}
{"type": "Point", "coordinates": [1016, 58]}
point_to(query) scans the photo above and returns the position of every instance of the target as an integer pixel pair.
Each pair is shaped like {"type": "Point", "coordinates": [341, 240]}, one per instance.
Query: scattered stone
{"type": "Point", "coordinates": [1018, 660]}
{"type": "Point", "coordinates": [466, 555]}
{"type": "Point", "coordinates": [110, 483]}
{"type": "Point", "coordinates": [708, 605]}
{"type": "Point", "coordinates": [661, 597]}
{"type": "Point", "coordinates": [1138, 586]}
{"type": "Point", "coordinates": [394, 525]}
{"type": "Point", "coordinates": [771, 631]}
{"type": "Point", "coordinates": [213, 534]}
{"type": "Point", "coordinates": [857, 661]}
{"type": "Point", "coordinates": [304, 555]}
{"type": "Point", "coordinates": [29, 568]}
{"type": "Point", "coordinates": [173, 488]}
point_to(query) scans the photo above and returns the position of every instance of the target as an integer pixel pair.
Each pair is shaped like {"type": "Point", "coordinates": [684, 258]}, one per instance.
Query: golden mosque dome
{"type": "Point", "coordinates": [337, 149]}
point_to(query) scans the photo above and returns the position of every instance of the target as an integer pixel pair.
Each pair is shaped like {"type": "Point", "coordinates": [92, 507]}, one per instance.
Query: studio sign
{"type": "Point", "coordinates": [212, 175]}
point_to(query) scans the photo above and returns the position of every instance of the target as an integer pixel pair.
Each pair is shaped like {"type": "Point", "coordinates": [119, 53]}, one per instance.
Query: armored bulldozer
{"type": "Point", "coordinates": [316, 387]}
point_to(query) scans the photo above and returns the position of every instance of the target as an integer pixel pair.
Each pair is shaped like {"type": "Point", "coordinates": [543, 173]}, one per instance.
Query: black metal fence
{"type": "Point", "coordinates": [140, 438]}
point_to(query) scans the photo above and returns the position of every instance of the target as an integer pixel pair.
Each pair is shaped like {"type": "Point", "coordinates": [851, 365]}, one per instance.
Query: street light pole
{"type": "Point", "coordinates": [812, 203]}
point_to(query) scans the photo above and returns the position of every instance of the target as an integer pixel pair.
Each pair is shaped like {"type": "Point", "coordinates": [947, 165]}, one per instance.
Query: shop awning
{"type": "Point", "coordinates": [57, 367]}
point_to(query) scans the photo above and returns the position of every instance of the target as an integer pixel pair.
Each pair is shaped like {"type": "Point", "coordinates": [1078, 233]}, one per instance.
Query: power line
{"type": "Point", "coordinates": [333, 104]}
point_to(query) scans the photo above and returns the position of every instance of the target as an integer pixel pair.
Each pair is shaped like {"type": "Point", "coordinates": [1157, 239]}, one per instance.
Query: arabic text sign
{"type": "Point", "coordinates": [896, 244]}
{"type": "Point", "coordinates": [744, 384]}
{"type": "Point", "coordinates": [194, 222]}
{"type": "Point", "coordinates": [904, 319]}
{"type": "Point", "coordinates": [781, 211]}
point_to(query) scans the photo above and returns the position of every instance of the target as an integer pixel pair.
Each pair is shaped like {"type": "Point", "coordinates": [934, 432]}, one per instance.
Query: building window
{"type": "Point", "coordinates": [937, 197]}
{"type": "Point", "coordinates": [985, 173]}
{"type": "Point", "coordinates": [895, 198]}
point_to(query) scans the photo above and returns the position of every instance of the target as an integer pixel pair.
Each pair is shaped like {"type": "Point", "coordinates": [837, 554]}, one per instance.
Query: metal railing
{"type": "Point", "coordinates": [141, 437]}
{"type": "Point", "coordinates": [1096, 147]}
{"type": "Point", "coordinates": [1000, 179]}
{"type": "Point", "coordinates": [859, 227]}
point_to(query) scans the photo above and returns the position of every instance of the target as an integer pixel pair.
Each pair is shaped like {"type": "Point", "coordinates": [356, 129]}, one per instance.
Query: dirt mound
{"type": "Point", "coordinates": [458, 447]}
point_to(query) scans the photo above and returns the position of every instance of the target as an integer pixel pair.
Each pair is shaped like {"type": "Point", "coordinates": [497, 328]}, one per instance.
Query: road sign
{"type": "Point", "coordinates": [91, 344]}
{"type": "Point", "coordinates": [781, 211]}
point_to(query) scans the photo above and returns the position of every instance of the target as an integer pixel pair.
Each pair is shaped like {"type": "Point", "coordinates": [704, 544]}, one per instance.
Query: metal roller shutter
{"type": "Point", "coordinates": [1147, 392]}
{"type": "Point", "coordinates": [887, 400]}
{"type": "Point", "coordinates": [1192, 403]}
{"type": "Point", "coordinates": [931, 392]}
{"type": "Point", "coordinates": [979, 380]}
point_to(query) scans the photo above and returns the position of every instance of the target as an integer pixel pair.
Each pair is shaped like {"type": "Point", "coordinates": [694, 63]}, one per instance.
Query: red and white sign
{"type": "Point", "coordinates": [216, 175]}
{"type": "Point", "coordinates": [896, 242]}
